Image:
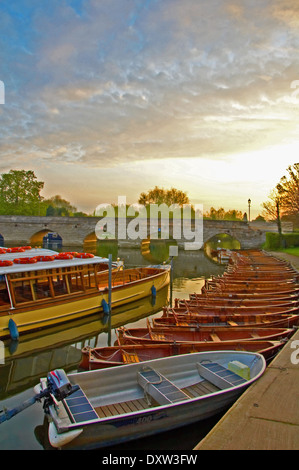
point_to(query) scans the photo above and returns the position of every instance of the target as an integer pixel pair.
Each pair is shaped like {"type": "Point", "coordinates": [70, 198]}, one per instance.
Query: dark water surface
{"type": "Point", "coordinates": [36, 354]}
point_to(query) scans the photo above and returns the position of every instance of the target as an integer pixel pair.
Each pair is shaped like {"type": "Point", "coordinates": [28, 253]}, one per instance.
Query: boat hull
{"type": "Point", "coordinates": [57, 311]}
{"type": "Point", "coordinates": [112, 356]}
{"type": "Point", "coordinates": [208, 335]}
{"type": "Point", "coordinates": [103, 386]}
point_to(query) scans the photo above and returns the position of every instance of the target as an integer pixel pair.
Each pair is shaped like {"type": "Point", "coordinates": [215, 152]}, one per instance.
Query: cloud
{"type": "Point", "coordinates": [97, 84]}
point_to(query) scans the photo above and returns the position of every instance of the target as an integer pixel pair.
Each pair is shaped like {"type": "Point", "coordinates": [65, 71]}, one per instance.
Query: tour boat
{"type": "Point", "coordinates": [118, 404]}
{"type": "Point", "coordinates": [111, 356]}
{"type": "Point", "coordinates": [41, 288]}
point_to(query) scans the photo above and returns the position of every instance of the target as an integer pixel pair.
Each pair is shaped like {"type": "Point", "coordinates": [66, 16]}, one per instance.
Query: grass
{"type": "Point", "coordinates": [292, 251]}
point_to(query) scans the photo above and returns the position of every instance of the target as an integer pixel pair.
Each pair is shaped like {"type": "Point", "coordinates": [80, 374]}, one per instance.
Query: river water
{"type": "Point", "coordinates": [36, 354]}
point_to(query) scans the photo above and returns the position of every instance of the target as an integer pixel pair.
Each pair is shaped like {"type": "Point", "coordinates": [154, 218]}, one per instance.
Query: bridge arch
{"type": "Point", "coordinates": [18, 230]}
{"type": "Point", "coordinates": [220, 240]}
{"type": "Point", "coordinates": [47, 239]}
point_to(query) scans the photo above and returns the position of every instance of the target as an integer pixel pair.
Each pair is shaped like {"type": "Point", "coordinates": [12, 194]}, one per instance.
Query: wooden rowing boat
{"type": "Point", "coordinates": [118, 404]}
{"type": "Point", "coordinates": [245, 290]}
{"type": "Point", "coordinates": [235, 303]}
{"type": "Point", "coordinates": [111, 356]}
{"type": "Point", "coordinates": [228, 303]}
{"type": "Point", "coordinates": [253, 284]}
{"type": "Point", "coordinates": [200, 320]}
{"type": "Point", "coordinates": [252, 297]}
{"type": "Point", "coordinates": [45, 288]}
{"type": "Point", "coordinates": [211, 309]}
{"type": "Point", "coordinates": [197, 335]}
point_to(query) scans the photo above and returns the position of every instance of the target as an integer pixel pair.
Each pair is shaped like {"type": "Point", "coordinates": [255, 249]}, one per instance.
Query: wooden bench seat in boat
{"type": "Point", "coordinates": [129, 357]}
{"type": "Point", "coordinates": [157, 336]}
{"type": "Point", "coordinates": [199, 389]}
{"type": "Point", "coordinates": [215, 337]}
{"type": "Point", "coordinates": [159, 387]}
{"type": "Point", "coordinates": [219, 375]}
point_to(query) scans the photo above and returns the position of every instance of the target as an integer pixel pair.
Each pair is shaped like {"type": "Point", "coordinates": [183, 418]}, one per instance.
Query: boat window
{"type": "Point", "coordinates": [23, 290]}
{"type": "Point", "coordinates": [41, 287]}
{"type": "Point", "coordinates": [75, 281]}
{"type": "Point", "coordinates": [34, 286]}
{"type": "Point", "coordinates": [4, 297]}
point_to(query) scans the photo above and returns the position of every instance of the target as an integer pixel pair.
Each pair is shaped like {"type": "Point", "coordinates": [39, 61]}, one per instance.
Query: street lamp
{"type": "Point", "coordinates": [249, 203]}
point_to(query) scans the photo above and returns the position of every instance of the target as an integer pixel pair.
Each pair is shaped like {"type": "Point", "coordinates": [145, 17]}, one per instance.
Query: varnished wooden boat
{"type": "Point", "coordinates": [197, 335]}
{"type": "Point", "coordinates": [119, 404]}
{"type": "Point", "coordinates": [252, 297]}
{"type": "Point", "coordinates": [42, 288]}
{"type": "Point", "coordinates": [200, 320]}
{"type": "Point", "coordinates": [243, 289]}
{"type": "Point", "coordinates": [111, 356]}
{"type": "Point", "coordinates": [253, 284]}
{"type": "Point", "coordinates": [245, 293]}
{"type": "Point", "coordinates": [210, 309]}
{"type": "Point", "coordinates": [261, 271]}
{"type": "Point", "coordinates": [235, 303]}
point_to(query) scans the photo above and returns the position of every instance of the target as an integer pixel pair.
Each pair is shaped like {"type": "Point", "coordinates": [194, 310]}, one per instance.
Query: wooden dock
{"type": "Point", "coordinates": [266, 416]}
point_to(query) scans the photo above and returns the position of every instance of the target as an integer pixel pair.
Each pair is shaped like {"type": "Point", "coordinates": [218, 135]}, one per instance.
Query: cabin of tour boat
{"type": "Point", "coordinates": [35, 274]}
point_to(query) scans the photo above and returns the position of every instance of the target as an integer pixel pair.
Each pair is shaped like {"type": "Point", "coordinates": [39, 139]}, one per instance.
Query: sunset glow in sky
{"type": "Point", "coordinates": [108, 98]}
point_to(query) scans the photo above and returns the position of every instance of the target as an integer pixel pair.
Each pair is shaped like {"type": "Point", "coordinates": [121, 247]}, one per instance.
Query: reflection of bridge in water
{"type": "Point", "coordinates": [60, 347]}
{"type": "Point", "coordinates": [75, 231]}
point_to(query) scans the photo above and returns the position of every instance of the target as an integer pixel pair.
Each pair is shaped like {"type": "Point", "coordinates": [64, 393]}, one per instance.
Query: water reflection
{"type": "Point", "coordinates": [222, 240]}
{"type": "Point", "coordinates": [154, 252]}
{"type": "Point", "coordinates": [60, 347]}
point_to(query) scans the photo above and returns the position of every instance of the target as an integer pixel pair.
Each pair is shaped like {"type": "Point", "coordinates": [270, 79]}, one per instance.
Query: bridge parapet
{"type": "Point", "coordinates": [19, 230]}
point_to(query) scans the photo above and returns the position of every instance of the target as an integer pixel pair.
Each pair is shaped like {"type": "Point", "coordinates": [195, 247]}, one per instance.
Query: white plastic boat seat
{"type": "Point", "coordinates": [159, 387]}
{"type": "Point", "coordinates": [219, 375]}
{"type": "Point", "coordinates": [79, 407]}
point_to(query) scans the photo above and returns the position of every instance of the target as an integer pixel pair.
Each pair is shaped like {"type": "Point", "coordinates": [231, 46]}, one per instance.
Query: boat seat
{"type": "Point", "coordinates": [129, 358]}
{"type": "Point", "coordinates": [219, 375]}
{"type": "Point", "coordinates": [79, 407]}
{"type": "Point", "coordinates": [157, 337]}
{"type": "Point", "coordinates": [159, 387]}
{"type": "Point", "coordinates": [215, 337]}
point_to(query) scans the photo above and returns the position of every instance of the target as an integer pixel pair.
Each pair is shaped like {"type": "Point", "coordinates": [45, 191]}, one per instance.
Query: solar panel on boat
{"type": "Point", "coordinates": [79, 407]}
{"type": "Point", "coordinates": [161, 387]}
{"type": "Point", "coordinates": [224, 373]}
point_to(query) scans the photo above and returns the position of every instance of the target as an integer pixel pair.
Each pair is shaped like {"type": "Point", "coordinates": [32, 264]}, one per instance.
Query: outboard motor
{"type": "Point", "coordinates": [59, 384]}
{"type": "Point", "coordinates": [58, 388]}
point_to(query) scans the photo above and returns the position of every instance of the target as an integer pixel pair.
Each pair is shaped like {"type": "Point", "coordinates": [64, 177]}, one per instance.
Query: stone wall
{"type": "Point", "coordinates": [20, 230]}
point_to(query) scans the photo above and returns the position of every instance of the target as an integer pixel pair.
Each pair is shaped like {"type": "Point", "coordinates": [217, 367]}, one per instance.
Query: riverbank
{"type": "Point", "coordinates": [292, 259]}
{"type": "Point", "coordinates": [266, 416]}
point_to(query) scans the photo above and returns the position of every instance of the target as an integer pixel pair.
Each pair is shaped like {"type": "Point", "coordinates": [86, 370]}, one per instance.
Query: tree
{"type": "Point", "coordinates": [284, 198]}
{"type": "Point", "coordinates": [221, 214]}
{"type": "Point", "coordinates": [288, 191]}
{"type": "Point", "coordinates": [270, 206]}
{"type": "Point", "coordinates": [166, 196]}
{"type": "Point", "coordinates": [59, 207]}
{"type": "Point", "coordinates": [20, 193]}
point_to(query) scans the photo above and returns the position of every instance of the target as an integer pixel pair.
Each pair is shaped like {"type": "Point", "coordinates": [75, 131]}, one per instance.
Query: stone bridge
{"type": "Point", "coordinates": [74, 231]}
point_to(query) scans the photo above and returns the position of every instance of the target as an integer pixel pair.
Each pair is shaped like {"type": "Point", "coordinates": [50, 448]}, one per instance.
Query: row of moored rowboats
{"type": "Point", "coordinates": [253, 306]}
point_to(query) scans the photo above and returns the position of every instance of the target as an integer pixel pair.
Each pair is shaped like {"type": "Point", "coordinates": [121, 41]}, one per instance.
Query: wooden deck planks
{"type": "Point", "coordinates": [131, 406]}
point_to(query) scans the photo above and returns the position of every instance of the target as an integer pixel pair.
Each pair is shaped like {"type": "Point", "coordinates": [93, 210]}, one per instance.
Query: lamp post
{"type": "Point", "coordinates": [249, 203]}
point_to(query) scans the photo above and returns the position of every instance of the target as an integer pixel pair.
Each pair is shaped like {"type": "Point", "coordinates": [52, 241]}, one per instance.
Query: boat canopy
{"type": "Point", "coordinates": [39, 265]}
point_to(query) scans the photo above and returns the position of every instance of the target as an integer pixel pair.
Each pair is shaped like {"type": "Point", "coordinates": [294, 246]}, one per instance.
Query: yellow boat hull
{"type": "Point", "coordinates": [57, 311]}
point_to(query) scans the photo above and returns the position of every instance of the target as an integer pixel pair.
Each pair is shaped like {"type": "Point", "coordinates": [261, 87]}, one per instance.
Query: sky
{"type": "Point", "coordinates": [108, 98]}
